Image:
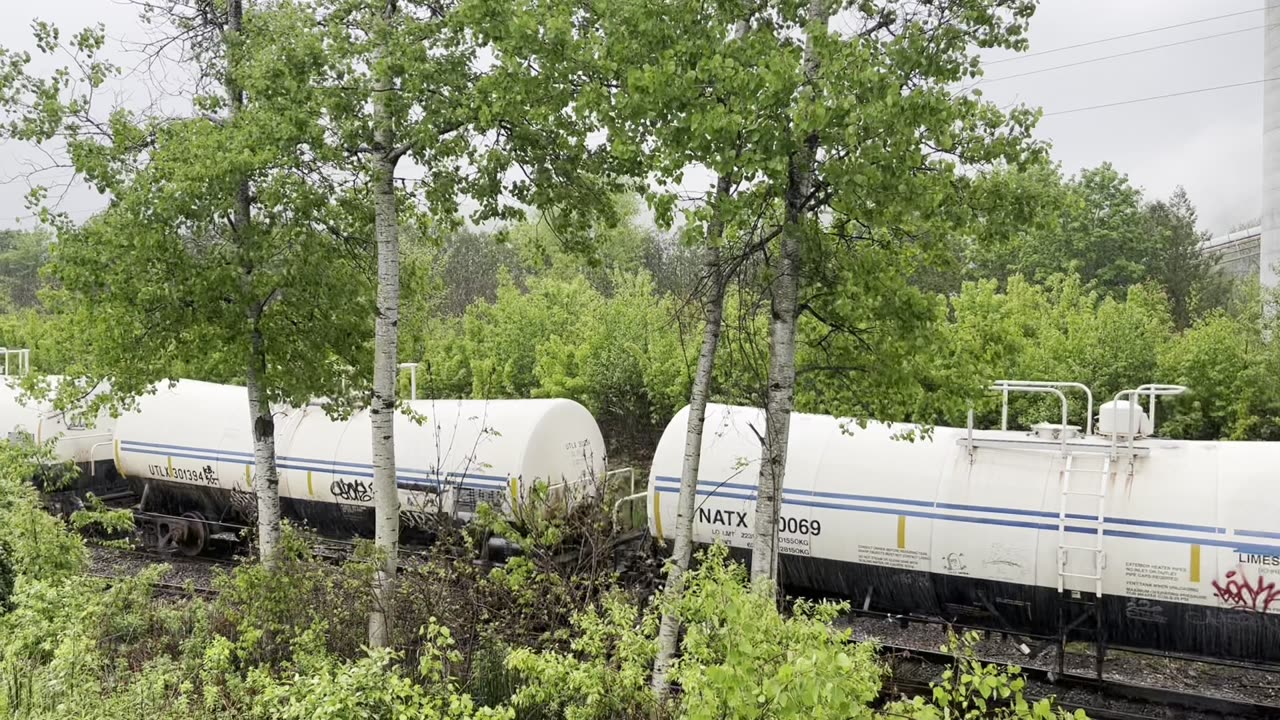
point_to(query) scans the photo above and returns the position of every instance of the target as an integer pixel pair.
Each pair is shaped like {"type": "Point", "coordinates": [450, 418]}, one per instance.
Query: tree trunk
{"type": "Point", "coordinates": [781, 391]}
{"type": "Point", "coordinates": [682, 552]}
{"type": "Point", "coordinates": [382, 409]}
{"type": "Point", "coordinates": [266, 479]}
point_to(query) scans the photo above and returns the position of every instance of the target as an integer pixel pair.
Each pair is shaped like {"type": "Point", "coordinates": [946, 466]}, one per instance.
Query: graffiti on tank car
{"type": "Point", "coordinates": [204, 476]}
{"type": "Point", "coordinates": [245, 502]}
{"type": "Point", "coordinates": [954, 562]}
{"type": "Point", "coordinates": [1240, 594]}
{"type": "Point", "coordinates": [351, 490]}
{"type": "Point", "coordinates": [1221, 619]}
{"type": "Point", "coordinates": [1144, 611]}
{"type": "Point", "coordinates": [415, 518]}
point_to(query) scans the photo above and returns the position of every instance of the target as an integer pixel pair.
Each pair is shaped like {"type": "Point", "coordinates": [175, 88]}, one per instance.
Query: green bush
{"type": "Point", "coordinates": [373, 686]}
{"type": "Point", "coordinates": [620, 354]}
{"type": "Point", "coordinates": [740, 658]}
{"type": "Point", "coordinates": [39, 545]}
{"type": "Point", "coordinates": [973, 690]}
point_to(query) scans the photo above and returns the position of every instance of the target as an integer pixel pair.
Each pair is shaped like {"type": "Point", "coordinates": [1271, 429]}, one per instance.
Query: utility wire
{"type": "Point", "coordinates": [1128, 35]}
{"type": "Point", "coordinates": [1120, 55]}
{"type": "Point", "coordinates": [1159, 97]}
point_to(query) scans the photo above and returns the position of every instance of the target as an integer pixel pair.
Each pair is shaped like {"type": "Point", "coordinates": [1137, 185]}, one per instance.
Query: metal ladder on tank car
{"type": "Point", "coordinates": [1074, 610]}
{"type": "Point", "coordinates": [1071, 600]}
{"type": "Point", "coordinates": [1076, 607]}
{"type": "Point", "coordinates": [1099, 495]}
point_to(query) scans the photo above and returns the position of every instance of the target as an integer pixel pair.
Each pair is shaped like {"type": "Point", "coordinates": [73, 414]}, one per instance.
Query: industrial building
{"type": "Point", "coordinates": [1237, 253]}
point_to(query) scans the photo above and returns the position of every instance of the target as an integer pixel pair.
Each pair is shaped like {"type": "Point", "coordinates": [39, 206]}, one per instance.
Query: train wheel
{"type": "Point", "coordinates": [187, 535]}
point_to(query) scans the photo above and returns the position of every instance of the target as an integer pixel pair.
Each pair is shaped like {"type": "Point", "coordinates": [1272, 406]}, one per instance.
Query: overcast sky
{"type": "Point", "coordinates": [1208, 142]}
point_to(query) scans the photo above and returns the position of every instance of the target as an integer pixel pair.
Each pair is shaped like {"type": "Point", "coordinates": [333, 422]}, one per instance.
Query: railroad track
{"type": "Point", "coordinates": [158, 556]}
{"type": "Point", "coordinates": [1142, 702]}
{"type": "Point", "coordinates": [163, 588]}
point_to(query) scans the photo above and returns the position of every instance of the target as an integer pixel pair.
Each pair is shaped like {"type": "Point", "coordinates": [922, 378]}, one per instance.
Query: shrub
{"type": "Point", "coordinates": [741, 658]}
{"type": "Point", "coordinates": [973, 690]}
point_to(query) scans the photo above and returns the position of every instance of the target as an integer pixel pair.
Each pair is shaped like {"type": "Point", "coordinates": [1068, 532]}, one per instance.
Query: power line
{"type": "Point", "coordinates": [1128, 35]}
{"type": "Point", "coordinates": [1123, 54]}
{"type": "Point", "coordinates": [1159, 97]}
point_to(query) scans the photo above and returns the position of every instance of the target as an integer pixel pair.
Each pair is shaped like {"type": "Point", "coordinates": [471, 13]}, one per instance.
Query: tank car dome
{"type": "Point", "coordinates": [1124, 418]}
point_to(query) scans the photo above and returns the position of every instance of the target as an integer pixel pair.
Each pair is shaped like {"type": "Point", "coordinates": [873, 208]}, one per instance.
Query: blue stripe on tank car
{"type": "Point", "coordinates": [1259, 533]}
{"type": "Point", "coordinates": [189, 448]}
{"type": "Point", "coordinates": [807, 493]}
{"type": "Point", "coordinates": [967, 507]}
{"type": "Point", "coordinates": [140, 445]}
{"type": "Point", "coordinates": [418, 471]}
{"type": "Point", "coordinates": [1168, 525]}
{"type": "Point", "coordinates": [891, 511]}
{"type": "Point", "coordinates": [1234, 545]}
{"type": "Point", "coordinates": [169, 453]}
{"type": "Point", "coordinates": [180, 451]}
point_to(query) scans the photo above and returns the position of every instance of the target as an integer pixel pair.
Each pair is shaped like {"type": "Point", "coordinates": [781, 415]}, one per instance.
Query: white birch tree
{"type": "Point", "coordinates": [780, 392]}
{"type": "Point", "coordinates": [211, 258]}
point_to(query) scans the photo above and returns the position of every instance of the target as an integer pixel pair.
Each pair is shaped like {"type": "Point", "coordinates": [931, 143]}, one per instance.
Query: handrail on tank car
{"type": "Point", "coordinates": [1154, 390]}
{"type": "Point", "coordinates": [1088, 417]}
{"type": "Point", "coordinates": [619, 471]}
{"type": "Point", "coordinates": [617, 507]}
{"type": "Point", "coordinates": [1006, 387]}
{"type": "Point", "coordinates": [412, 367]}
{"type": "Point", "coordinates": [24, 359]}
{"type": "Point", "coordinates": [93, 459]}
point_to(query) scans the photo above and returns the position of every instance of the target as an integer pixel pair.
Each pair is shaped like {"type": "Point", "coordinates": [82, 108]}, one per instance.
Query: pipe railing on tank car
{"type": "Point", "coordinates": [632, 495]}
{"type": "Point", "coordinates": [93, 452]}
{"type": "Point", "coordinates": [630, 471]}
{"type": "Point", "coordinates": [1004, 408]}
{"type": "Point", "coordinates": [412, 367]}
{"type": "Point", "coordinates": [629, 500]}
{"type": "Point", "coordinates": [24, 359]}
{"type": "Point", "coordinates": [1008, 386]}
{"type": "Point", "coordinates": [1154, 390]}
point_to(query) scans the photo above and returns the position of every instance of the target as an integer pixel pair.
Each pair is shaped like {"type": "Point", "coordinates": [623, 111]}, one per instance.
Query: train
{"type": "Point", "coordinates": [186, 450]}
{"type": "Point", "coordinates": [192, 440]}
{"type": "Point", "coordinates": [1108, 534]}
{"type": "Point", "coordinates": [1104, 531]}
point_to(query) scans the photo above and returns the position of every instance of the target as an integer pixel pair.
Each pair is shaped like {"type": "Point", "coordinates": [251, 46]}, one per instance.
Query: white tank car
{"type": "Point", "coordinates": [87, 444]}
{"type": "Point", "coordinates": [1005, 529]}
{"type": "Point", "coordinates": [192, 443]}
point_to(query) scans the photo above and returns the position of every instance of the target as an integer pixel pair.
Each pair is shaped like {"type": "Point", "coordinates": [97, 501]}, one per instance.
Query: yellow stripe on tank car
{"type": "Point", "coordinates": [657, 515]}
{"type": "Point", "coordinates": [902, 532]}
{"type": "Point", "coordinates": [1195, 563]}
{"type": "Point", "coordinates": [515, 493]}
{"type": "Point", "coordinates": [310, 489]}
{"type": "Point", "coordinates": [170, 459]}
{"type": "Point", "coordinates": [248, 477]}
{"type": "Point", "coordinates": [118, 468]}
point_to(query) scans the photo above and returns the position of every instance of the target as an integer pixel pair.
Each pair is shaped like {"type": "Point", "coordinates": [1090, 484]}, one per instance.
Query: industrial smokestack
{"type": "Point", "coordinates": [1270, 245]}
